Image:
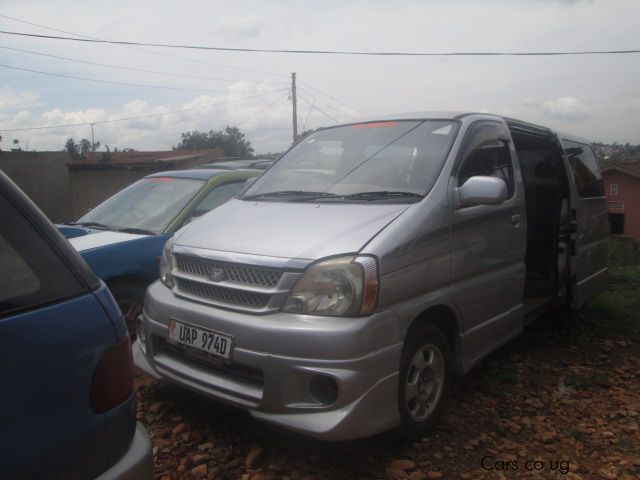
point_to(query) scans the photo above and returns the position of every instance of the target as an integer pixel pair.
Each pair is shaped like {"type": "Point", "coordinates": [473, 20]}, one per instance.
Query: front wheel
{"type": "Point", "coordinates": [425, 372]}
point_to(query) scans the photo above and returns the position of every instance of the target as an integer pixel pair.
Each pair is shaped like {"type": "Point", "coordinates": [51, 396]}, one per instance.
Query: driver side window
{"type": "Point", "coordinates": [215, 198]}
{"type": "Point", "coordinates": [491, 159]}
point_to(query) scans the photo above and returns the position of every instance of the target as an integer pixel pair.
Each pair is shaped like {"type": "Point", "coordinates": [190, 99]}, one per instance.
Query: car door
{"type": "Point", "coordinates": [590, 224]}
{"type": "Point", "coordinates": [52, 333]}
{"type": "Point", "coordinates": [488, 244]}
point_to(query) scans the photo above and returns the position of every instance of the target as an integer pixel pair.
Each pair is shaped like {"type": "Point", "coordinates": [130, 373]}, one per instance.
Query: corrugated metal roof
{"type": "Point", "coordinates": [632, 169]}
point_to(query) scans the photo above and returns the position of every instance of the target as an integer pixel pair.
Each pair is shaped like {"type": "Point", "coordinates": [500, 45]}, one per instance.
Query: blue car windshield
{"type": "Point", "coordinates": [391, 161]}
{"type": "Point", "coordinates": [149, 204]}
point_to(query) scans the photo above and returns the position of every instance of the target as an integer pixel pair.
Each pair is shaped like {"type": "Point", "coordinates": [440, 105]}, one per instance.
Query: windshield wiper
{"type": "Point", "coordinates": [296, 194]}
{"type": "Point", "coordinates": [90, 225]}
{"type": "Point", "coordinates": [383, 195]}
{"type": "Point", "coordinates": [141, 231]}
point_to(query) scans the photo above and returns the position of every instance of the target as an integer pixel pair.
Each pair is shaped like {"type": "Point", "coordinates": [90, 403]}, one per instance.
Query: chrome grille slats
{"type": "Point", "coordinates": [241, 274]}
{"type": "Point", "coordinates": [234, 281]}
{"type": "Point", "coordinates": [222, 295]}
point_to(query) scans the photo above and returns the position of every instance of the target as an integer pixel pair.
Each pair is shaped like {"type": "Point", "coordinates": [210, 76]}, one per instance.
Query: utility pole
{"type": "Point", "coordinates": [295, 107]}
{"type": "Point", "coordinates": [93, 143]}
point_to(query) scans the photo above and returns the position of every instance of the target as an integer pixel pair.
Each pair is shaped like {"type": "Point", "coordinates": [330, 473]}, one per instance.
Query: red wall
{"type": "Point", "coordinates": [629, 193]}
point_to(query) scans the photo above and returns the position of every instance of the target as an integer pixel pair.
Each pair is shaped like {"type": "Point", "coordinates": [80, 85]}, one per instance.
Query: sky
{"type": "Point", "coordinates": [172, 90]}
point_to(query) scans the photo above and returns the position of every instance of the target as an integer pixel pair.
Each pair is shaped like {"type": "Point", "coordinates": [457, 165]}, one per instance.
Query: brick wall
{"type": "Point", "coordinates": [629, 194]}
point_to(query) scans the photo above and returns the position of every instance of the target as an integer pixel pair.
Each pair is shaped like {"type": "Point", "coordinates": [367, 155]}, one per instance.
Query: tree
{"type": "Point", "coordinates": [16, 145]}
{"type": "Point", "coordinates": [231, 141]}
{"type": "Point", "coordinates": [71, 148]}
{"type": "Point", "coordinates": [85, 146]}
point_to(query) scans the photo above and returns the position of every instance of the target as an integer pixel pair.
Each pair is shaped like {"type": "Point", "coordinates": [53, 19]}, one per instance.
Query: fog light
{"type": "Point", "coordinates": [323, 389]}
{"type": "Point", "coordinates": [141, 333]}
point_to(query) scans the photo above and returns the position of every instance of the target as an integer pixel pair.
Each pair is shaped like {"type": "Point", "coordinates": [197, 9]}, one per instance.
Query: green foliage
{"type": "Point", "coordinates": [621, 302]}
{"type": "Point", "coordinates": [231, 141]}
{"type": "Point", "coordinates": [616, 153]}
{"type": "Point", "coordinates": [71, 147]}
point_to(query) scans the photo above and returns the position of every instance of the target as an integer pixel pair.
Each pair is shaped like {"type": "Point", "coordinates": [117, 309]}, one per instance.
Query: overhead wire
{"type": "Point", "coordinates": [315, 97]}
{"type": "Point", "coordinates": [132, 69]}
{"type": "Point", "coordinates": [326, 52]}
{"type": "Point", "coordinates": [262, 110]}
{"type": "Point", "coordinates": [333, 98]}
{"type": "Point", "coordinates": [138, 117]}
{"type": "Point", "coordinates": [147, 51]}
{"type": "Point", "coordinates": [114, 82]}
{"type": "Point", "coordinates": [180, 58]}
{"type": "Point", "coordinates": [319, 110]}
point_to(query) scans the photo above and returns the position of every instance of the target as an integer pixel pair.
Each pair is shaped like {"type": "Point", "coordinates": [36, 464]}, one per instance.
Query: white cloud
{"type": "Point", "coordinates": [568, 108]}
{"type": "Point", "coordinates": [11, 101]}
{"type": "Point", "coordinates": [632, 105]}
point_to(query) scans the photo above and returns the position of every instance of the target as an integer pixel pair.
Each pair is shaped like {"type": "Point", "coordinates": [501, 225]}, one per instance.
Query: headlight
{"type": "Point", "coordinates": [166, 264]}
{"type": "Point", "coordinates": [345, 286]}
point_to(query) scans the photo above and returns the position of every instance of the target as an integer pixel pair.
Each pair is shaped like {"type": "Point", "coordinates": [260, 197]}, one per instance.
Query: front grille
{"type": "Point", "coordinates": [245, 275]}
{"type": "Point", "coordinates": [222, 295]}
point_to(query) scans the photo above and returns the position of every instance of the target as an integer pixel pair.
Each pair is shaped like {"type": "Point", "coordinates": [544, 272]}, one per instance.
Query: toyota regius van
{"type": "Point", "coordinates": [338, 293]}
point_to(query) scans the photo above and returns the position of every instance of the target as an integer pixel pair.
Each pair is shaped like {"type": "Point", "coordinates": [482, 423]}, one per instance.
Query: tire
{"type": "Point", "coordinates": [425, 377]}
{"type": "Point", "coordinates": [130, 299]}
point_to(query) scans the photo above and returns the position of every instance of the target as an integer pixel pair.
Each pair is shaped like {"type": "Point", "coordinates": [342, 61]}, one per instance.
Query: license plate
{"type": "Point", "coordinates": [201, 339]}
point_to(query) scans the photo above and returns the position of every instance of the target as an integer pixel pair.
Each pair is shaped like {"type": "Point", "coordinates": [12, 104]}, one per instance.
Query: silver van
{"type": "Point", "coordinates": [338, 293]}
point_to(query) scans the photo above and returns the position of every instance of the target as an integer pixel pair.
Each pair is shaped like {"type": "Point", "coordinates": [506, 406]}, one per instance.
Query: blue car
{"type": "Point", "coordinates": [122, 238]}
{"type": "Point", "coordinates": [67, 408]}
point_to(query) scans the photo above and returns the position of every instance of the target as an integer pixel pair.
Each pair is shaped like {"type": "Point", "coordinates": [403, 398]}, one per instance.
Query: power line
{"type": "Point", "coordinates": [262, 110]}
{"type": "Point", "coordinates": [334, 98]}
{"type": "Point", "coordinates": [98, 122]}
{"type": "Point", "coordinates": [315, 98]}
{"type": "Point", "coordinates": [164, 54]}
{"type": "Point", "coordinates": [321, 111]}
{"type": "Point", "coordinates": [327, 52]}
{"type": "Point", "coordinates": [113, 82]}
{"type": "Point", "coordinates": [119, 67]}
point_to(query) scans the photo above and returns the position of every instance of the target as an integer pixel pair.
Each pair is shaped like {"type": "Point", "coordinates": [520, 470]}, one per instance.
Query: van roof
{"type": "Point", "coordinates": [457, 115]}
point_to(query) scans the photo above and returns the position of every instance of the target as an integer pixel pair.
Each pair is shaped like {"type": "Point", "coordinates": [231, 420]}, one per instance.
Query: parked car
{"type": "Point", "coordinates": [371, 262]}
{"type": "Point", "coordinates": [122, 238]}
{"type": "Point", "coordinates": [67, 408]}
{"type": "Point", "coordinates": [258, 163]}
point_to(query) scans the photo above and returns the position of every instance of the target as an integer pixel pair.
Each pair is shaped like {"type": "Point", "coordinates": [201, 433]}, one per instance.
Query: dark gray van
{"type": "Point", "coordinates": [340, 291]}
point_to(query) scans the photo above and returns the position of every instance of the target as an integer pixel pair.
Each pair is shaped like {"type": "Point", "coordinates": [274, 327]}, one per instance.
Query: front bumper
{"type": "Point", "coordinates": [276, 360]}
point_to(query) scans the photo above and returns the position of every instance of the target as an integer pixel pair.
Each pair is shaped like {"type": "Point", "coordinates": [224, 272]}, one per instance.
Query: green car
{"type": "Point", "coordinates": [122, 238]}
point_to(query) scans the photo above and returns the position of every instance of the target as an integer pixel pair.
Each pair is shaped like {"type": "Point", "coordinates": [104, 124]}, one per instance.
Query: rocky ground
{"type": "Point", "coordinates": [561, 401]}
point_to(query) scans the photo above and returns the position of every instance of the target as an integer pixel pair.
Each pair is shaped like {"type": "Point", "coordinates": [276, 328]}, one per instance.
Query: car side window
{"type": "Point", "coordinates": [216, 197]}
{"type": "Point", "coordinates": [492, 159]}
{"type": "Point", "coordinates": [585, 170]}
{"type": "Point", "coordinates": [31, 272]}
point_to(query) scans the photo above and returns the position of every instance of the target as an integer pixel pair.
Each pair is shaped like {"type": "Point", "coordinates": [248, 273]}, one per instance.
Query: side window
{"type": "Point", "coordinates": [586, 174]}
{"type": "Point", "coordinates": [216, 197]}
{"type": "Point", "coordinates": [31, 272]}
{"type": "Point", "coordinates": [491, 158]}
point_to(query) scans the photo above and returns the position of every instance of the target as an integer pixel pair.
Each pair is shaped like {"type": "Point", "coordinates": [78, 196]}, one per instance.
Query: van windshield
{"type": "Point", "coordinates": [394, 161]}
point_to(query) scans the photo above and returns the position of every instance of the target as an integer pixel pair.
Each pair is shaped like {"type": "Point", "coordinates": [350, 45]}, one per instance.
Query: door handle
{"type": "Point", "coordinates": [515, 220]}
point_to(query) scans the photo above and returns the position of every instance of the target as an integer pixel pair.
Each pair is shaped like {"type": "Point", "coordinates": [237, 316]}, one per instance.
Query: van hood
{"type": "Point", "coordinates": [289, 230]}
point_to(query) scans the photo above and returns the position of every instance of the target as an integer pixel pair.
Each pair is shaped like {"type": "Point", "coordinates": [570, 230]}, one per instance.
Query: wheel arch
{"type": "Point", "coordinates": [445, 318]}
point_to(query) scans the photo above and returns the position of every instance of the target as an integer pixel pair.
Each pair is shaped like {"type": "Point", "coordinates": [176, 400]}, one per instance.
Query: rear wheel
{"type": "Point", "coordinates": [130, 299]}
{"type": "Point", "coordinates": [425, 371]}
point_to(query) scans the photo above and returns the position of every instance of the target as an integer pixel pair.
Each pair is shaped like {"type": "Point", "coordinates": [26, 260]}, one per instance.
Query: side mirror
{"type": "Point", "coordinates": [481, 190]}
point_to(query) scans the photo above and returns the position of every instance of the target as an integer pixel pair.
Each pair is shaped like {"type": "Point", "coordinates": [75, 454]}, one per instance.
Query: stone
{"type": "Point", "coordinates": [403, 464]}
